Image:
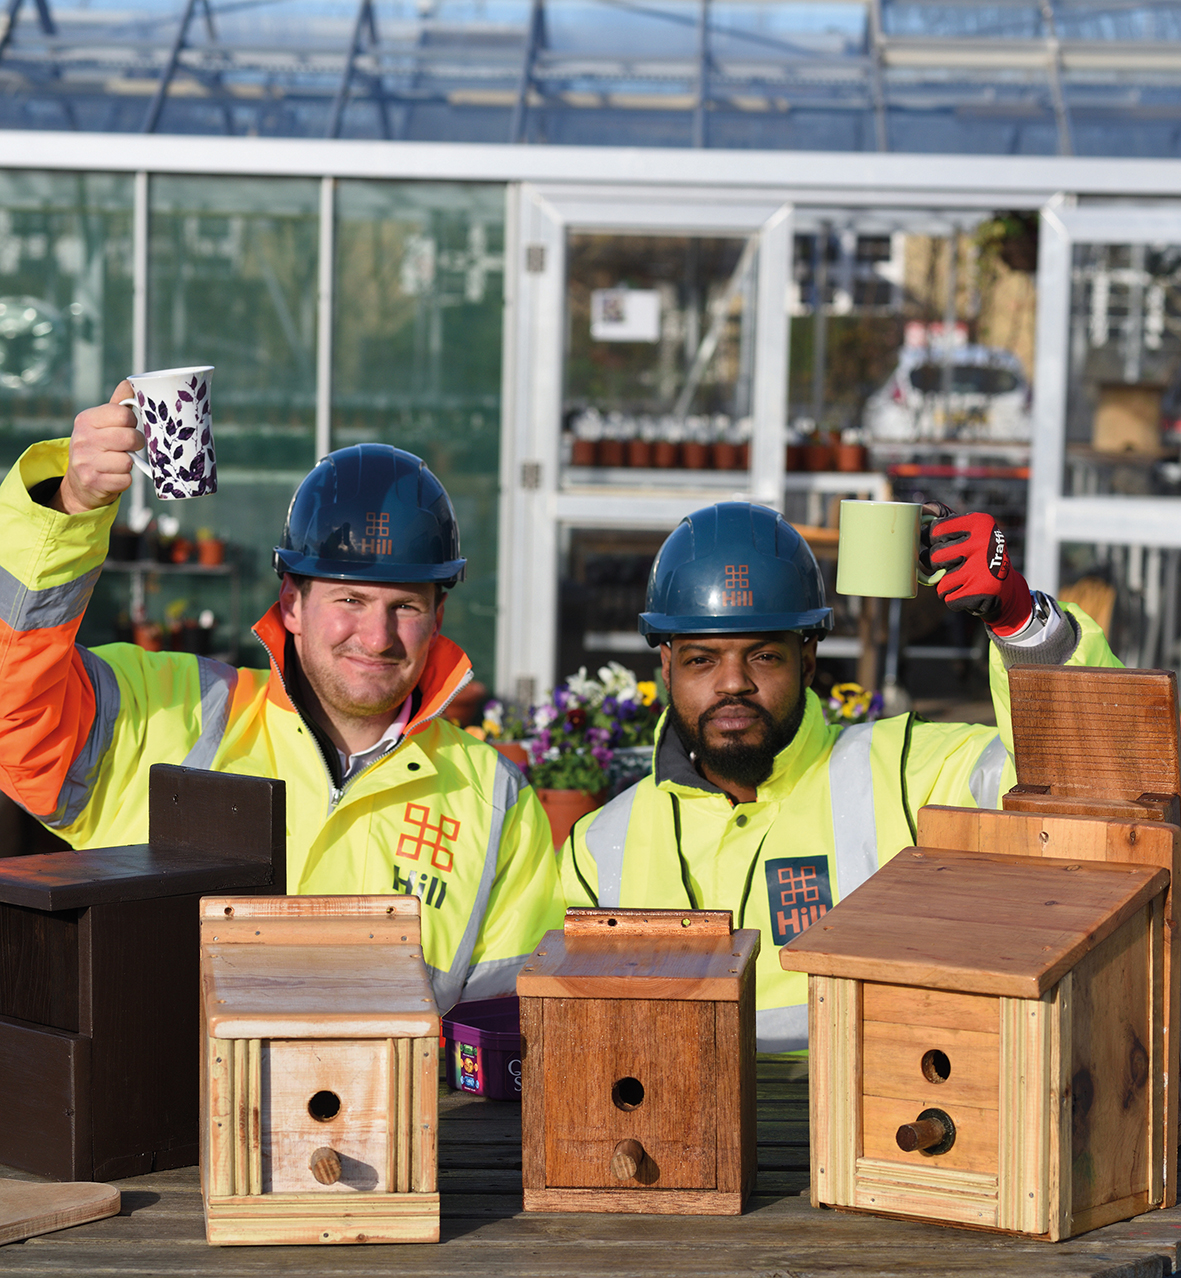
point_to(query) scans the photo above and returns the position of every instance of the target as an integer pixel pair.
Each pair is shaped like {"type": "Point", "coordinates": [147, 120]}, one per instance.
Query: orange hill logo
{"type": "Point", "coordinates": [737, 592]}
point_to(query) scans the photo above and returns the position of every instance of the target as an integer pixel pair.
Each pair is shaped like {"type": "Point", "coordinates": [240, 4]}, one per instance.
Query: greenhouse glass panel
{"type": "Point", "coordinates": [419, 293]}
{"type": "Point", "coordinates": [233, 283]}
{"type": "Point", "coordinates": [65, 300]}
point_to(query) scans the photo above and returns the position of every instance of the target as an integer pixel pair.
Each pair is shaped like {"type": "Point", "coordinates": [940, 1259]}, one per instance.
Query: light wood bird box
{"type": "Point", "coordinates": [638, 1059]}
{"type": "Point", "coordinates": [319, 1088]}
{"type": "Point", "coordinates": [986, 1042]}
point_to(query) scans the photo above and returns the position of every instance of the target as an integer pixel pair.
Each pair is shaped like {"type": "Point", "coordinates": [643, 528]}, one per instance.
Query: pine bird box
{"type": "Point", "coordinates": [638, 1059]}
{"type": "Point", "coordinates": [986, 1042]}
{"type": "Point", "coordinates": [319, 1088]}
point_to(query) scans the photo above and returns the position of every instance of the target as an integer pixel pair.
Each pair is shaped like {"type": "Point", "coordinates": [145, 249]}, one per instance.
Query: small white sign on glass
{"type": "Point", "coordinates": [625, 315]}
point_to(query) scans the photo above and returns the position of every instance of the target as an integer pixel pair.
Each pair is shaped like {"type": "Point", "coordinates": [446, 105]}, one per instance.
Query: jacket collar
{"type": "Point", "coordinates": [674, 769]}
{"type": "Point", "coordinates": [447, 671]}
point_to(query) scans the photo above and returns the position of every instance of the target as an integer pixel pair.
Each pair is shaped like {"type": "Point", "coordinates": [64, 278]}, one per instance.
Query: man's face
{"type": "Point", "coordinates": [362, 646]}
{"type": "Point", "coordinates": [736, 701]}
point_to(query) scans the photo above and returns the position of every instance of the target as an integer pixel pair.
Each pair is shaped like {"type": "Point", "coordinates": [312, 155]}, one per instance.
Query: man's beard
{"type": "Point", "coordinates": [747, 765]}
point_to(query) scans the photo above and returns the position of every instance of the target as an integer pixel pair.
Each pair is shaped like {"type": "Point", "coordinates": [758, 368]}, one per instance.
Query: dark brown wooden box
{"type": "Point", "coordinates": [99, 1017]}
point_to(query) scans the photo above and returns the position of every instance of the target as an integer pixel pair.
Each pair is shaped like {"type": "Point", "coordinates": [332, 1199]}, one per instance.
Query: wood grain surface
{"type": "Point", "coordinates": [667, 1048]}
{"type": "Point", "coordinates": [676, 963]}
{"type": "Point", "coordinates": [1126, 718]}
{"type": "Point", "coordinates": [161, 1232]}
{"type": "Point", "coordinates": [582, 921]}
{"type": "Point", "coordinates": [27, 1209]}
{"type": "Point", "coordinates": [981, 924]}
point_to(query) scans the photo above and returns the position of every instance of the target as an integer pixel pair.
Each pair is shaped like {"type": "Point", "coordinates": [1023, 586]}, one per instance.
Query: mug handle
{"type": "Point", "coordinates": [138, 458]}
{"type": "Point", "coordinates": [925, 521]}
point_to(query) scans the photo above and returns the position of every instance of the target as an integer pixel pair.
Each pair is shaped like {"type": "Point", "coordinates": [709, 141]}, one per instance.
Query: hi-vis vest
{"type": "Point", "coordinates": [839, 803]}
{"type": "Point", "coordinates": [441, 816]}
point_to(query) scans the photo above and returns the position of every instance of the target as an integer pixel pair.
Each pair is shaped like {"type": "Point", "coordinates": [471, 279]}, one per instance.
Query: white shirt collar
{"type": "Point", "coordinates": [351, 764]}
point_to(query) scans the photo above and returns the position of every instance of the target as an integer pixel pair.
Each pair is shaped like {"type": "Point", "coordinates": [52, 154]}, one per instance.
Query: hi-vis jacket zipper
{"type": "Point", "coordinates": [335, 793]}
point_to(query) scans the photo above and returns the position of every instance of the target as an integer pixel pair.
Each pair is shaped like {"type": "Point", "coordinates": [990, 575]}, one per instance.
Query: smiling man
{"type": "Point", "coordinates": [756, 804]}
{"type": "Point", "coordinates": [383, 794]}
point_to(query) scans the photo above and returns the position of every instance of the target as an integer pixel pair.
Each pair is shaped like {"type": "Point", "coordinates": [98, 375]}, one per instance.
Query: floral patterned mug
{"type": "Point", "coordinates": [172, 409]}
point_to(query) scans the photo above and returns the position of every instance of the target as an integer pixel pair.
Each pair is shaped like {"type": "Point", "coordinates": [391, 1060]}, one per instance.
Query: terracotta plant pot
{"type": "Point", "coordinates": [694, 456]}
{"type": "Point", "coordinates": [639, 453]}
{"type": "Point", "coordinates": [744, 457]}
{"type": "Point", "coordinates": [795, 457]}
{"type": "Point", "coordinates": [850, 457]}
{"type": "Point", "coordinates": [211, 551]}
{"type": "Point", "coordinates": [585, 452]}
{"type": "Point", "coordinates": [514, 751]}
{"type": "Point", "coordinates": [725, 456]}
{"type": "Point", "coordinates": [664, 453]}
{"type": "Point", "coordinates": [611, 452]}
{"type": "Point", "coordinates": [818, 457]}
{"type": "Point", "coordinates": [564, 807]}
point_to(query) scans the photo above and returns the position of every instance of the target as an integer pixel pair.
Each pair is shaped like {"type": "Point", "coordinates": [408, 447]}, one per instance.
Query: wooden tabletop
{"type": "Point", "coordinates": [161, 1233]}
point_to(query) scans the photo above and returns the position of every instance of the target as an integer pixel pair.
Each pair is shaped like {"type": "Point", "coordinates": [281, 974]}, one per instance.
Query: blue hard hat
{"type": "Point", "coordinates": [371, 512]}
{"type": "Point", "coordinates": [733, 568]}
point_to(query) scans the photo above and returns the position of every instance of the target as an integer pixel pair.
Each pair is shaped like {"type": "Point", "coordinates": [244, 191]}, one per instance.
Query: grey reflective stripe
{"type": "Point", "coordinates": [25, 609]}
{"type": "Point", "coordinates": [605, 839]}
{"type": "Point", "coordinates": [493, 978]}
{"type": "Point", "coordinates": [985, 781]}
{"type": "Point", "coordinates": [850, 782]}
{"type": "Point", "coordinates": [80, 779]}
{"type": "Point", "coordinates": [782, 1029]}
{"type": "Point", "coordinates": [218, 682]}
{"type": "Point", "coordinates": [448, 985]}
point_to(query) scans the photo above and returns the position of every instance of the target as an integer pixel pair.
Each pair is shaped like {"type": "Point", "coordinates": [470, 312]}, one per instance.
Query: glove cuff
{"type": "Point", "coordinates": [1016, 606]}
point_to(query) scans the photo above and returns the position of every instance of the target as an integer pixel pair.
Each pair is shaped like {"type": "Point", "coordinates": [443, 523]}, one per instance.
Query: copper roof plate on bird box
{"type": "Point", "coordinates": [979, 924]}
{"type": "Point", "coordinates": [673, 954]}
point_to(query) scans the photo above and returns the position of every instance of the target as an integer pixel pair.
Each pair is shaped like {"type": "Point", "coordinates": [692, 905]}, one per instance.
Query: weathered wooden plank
{"type": "Point", "coordinates": [485, 1232]}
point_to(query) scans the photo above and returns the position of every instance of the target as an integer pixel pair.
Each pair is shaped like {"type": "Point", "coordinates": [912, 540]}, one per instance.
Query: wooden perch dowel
{"type": "Point", "coordinates": [923, 1133]}
{"type": "Point", "coordinates": [325, 1165]}
{"type": "Point", "coordinates": [629, 1154]}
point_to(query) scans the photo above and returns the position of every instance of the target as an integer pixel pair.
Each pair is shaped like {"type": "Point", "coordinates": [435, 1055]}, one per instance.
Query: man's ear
{"type": "Point", "coordinates": [808, 660]}
{"type": "Point", "coordinates": [666, 662]}
{"type": "Point", "coordinates": [291, 604]}
{"type": "Point", "coordinates": [440, 600]}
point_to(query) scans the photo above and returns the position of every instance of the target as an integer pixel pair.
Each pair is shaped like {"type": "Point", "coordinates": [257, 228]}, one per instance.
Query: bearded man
{"type": "Point", "coordinates": [757, 805]}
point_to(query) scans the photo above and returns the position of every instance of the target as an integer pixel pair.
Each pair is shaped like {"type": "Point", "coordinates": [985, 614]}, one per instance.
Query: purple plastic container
{"type": "Point", "coordinates": [484, 1047]}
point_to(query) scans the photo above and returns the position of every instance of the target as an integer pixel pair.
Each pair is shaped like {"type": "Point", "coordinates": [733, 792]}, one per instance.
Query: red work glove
{"type": "Point", "coordinates": [978, 577]}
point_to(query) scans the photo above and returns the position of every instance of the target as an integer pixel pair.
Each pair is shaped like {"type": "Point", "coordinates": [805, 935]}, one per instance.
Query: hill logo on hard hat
{"type": "Point", "coordinates": [377, 528]}
{"type": "Point", "coordinates": [737, 592]}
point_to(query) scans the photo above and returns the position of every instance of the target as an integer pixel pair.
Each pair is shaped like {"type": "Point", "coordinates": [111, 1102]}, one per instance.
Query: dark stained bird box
{"type": "Point", "coordinates": [638, 1060]}
{"type": "Point", "coordinates": [99, 1028]}
{"type": "Point", "coordinates": [986, 1042]}
{"type": "Point", "coordinates": [319, 1071]}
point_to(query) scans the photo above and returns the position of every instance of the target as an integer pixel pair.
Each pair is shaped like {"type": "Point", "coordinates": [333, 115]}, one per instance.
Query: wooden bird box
{"type": "Point", "coordinates": [319, 1071]}
{"type": "Point", "coordinates": [1095, 741]}
{"type": "Point", "coordinates": [638, 1060]}
{"type": "Point", "coordinates": [986, 1045]}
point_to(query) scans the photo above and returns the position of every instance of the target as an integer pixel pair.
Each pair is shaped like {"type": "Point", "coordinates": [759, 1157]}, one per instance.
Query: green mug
{"type": "Point", "coordinates": [879, 549]}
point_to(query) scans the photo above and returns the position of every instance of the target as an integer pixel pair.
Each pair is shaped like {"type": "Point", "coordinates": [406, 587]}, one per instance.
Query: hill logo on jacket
{"type": "Point", "coordinates": [798, 894]}
{"type": "Point", "coordinates": [424, 834]}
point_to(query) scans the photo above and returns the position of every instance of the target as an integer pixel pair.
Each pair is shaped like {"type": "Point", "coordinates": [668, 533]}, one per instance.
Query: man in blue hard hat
{"type": "Point", "coordinates": [383, 793]}
{"type": "Point", "coordinates": [756, 804]}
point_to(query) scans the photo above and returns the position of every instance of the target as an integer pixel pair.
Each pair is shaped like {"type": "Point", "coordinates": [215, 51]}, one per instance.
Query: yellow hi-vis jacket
{"type": "Point", "coordinates": [839, 803]}
{"type": "Point", "coordinates": [441, 815]}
